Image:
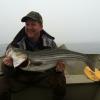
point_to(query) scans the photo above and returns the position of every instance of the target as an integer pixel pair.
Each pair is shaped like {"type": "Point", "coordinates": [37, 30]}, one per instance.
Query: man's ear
{"type": "Point", "coordinates": [41, 27]}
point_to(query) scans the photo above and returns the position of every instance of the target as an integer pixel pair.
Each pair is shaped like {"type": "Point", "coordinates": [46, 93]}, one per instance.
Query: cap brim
{"type": "Point", "coordinates": [24, 19]}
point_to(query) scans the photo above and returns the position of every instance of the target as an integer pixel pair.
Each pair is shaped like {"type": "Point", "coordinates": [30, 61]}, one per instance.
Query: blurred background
{"type": "Point", "coordinates": [75, 23]}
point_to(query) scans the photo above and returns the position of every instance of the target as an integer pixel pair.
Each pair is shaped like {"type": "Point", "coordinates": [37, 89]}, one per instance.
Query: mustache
{"type": "Point", "coordinates": [30, 30]}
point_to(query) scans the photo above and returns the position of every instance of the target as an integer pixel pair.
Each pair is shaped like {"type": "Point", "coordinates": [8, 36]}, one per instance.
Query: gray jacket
{"type": "Point", "coordinates": [47, 42]}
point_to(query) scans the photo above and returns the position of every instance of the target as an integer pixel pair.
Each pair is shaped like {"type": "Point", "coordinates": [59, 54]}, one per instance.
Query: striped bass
{"type": "Point", "coordinates": [42, 60]}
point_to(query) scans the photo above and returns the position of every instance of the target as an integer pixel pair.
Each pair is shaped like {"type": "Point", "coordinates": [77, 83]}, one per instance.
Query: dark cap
{"type": "Point", "coordinates": [35, 16]}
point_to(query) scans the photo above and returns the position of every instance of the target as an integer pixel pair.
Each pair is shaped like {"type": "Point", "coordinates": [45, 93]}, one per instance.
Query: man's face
{"type": "Point", "coordinates": [32, 28]}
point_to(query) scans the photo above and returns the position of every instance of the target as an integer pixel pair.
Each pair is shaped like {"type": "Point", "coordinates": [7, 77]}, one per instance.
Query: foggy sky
{"type": "Point", "coordinates": [70, 21]}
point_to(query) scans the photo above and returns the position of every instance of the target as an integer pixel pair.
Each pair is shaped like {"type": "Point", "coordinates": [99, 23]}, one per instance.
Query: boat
{"type": "Point", "coordinates": [78, 85]}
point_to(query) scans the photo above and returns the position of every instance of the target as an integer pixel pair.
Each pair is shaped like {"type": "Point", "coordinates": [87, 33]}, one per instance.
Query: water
{"type": "Point", "coordinates": [89, 48]}
{"type": "Point", "coordinates": [2, 49]}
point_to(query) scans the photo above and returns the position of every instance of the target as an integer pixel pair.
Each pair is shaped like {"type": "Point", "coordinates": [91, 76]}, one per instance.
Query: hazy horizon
{"type": "Point", "coordinates": [75, 23]}
{"type": "Point", "coordinates": [88, 48]}
{"type": "Point", "coordinates": [69, 21]}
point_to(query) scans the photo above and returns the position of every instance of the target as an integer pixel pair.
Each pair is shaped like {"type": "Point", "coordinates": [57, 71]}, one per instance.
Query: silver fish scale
{"type": "Point", "coordinates": [53, 54]}
{"type": "Point", "coordinates": [47, 58]}
{"type": "Point", "coordinates": [58, 57]}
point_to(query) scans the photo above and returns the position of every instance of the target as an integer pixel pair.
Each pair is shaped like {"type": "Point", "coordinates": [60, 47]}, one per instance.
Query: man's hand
{"type": "Point", "coordinates": [60, 66]}
{"type": "Point", "coordinates": [8, 61]}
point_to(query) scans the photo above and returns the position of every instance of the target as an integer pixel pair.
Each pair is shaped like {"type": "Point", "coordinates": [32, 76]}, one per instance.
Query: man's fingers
{"type": "Point", "coordinates": [8, 61]}
{"type": "Point", "coordinates": [60, 66]}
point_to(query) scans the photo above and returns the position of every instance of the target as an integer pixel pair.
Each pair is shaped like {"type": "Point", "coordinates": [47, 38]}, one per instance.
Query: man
{"type": "Point", "coordinates": [32, 37]}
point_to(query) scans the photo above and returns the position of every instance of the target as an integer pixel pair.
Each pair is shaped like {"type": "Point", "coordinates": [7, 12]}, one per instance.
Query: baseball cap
{"type": "Point", "coordinates": [35, 16]}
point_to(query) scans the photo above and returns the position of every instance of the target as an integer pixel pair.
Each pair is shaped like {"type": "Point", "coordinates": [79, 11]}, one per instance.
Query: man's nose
{"type": "Point", "coordinates": [29, 27]}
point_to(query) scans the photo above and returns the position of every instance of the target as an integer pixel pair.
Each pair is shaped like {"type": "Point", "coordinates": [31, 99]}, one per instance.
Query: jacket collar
{"type": "Point", "coordinates": [47, 38]}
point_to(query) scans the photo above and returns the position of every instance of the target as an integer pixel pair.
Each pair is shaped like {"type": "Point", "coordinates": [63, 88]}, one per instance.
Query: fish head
{"type": "Point", "coordinates": [18, 56]}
